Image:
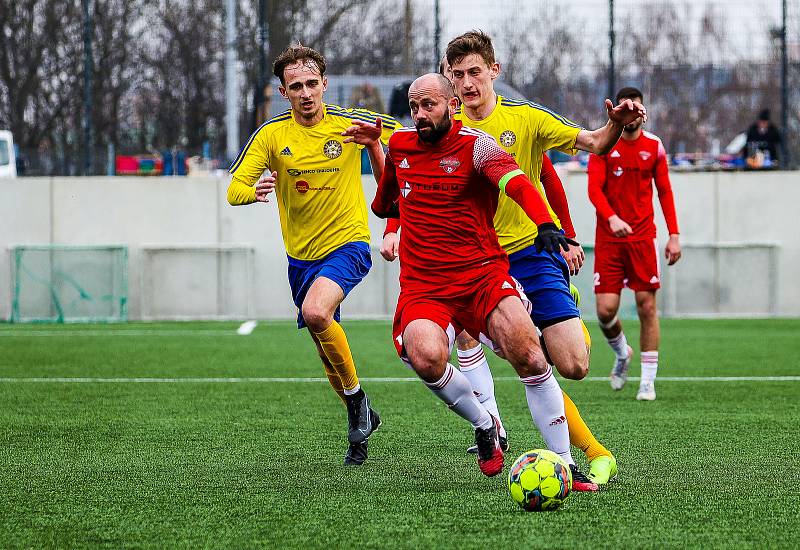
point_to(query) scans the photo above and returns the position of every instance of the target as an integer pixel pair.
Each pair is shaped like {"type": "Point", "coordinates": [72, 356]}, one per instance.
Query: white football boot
{"type": "Point", "coordinates": [619, 374]}
{"type": "Point", "coordinates": [647, 392]}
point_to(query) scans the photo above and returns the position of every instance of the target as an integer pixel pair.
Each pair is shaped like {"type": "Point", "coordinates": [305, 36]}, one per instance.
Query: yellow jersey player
{"type": "Point", "coordinates": [312, 153]}
{"type": "Point", "coordinates": [526, 130]}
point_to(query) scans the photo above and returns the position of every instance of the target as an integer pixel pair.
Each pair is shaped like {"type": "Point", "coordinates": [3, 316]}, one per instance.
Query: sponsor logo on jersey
{"type": "Point", "coordinates": [286, 152]}
{"type": "Point", "coordinates": [615, 154]}
{"type": "Point", "coordinates": [435, 186]}
{"type": "Point", "coordinates": [404, 164]}
{"type": "Point", "coordinates": [295, 172]}
{"type": "Point", "coordinates": [508, 138]}
{"type": "Point", "coordinates": [644, 154]}
{"type": "Point", "coordinates": [332, 149]}
{"type": "Point", "coordinates": [617, 171]}
{"type": "Point", "coordinates": [449, 164]}
{"type": "Point", "coordinates": [303, 187]}
{"type": "Point", "coordinates": [406, 189]}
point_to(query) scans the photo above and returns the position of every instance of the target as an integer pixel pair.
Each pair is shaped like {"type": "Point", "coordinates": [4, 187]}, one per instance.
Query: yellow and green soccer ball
{"type": "Point", "coordinates": [539, 480]}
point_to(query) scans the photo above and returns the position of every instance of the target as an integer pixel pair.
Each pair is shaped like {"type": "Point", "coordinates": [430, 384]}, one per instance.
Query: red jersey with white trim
{"type": "Point", "coordinates": [621, 183]}
{"type": "Point", "coordinates": [447, 194]}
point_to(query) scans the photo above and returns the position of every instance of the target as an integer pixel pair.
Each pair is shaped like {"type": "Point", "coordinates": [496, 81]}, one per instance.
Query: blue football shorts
{"type": "Point", "coordinates": [545, 278]}
{"type": "Point", "coordinates": [346, 266]}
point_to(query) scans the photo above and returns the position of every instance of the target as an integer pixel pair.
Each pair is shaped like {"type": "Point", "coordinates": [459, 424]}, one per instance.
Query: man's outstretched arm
{"type": "Point", "coordinates": [601, 140]}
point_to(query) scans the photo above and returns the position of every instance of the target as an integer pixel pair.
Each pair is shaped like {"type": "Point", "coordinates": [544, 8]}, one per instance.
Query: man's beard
{"type": "Point", "coordinates": [633, 126]}
{"type": "Point", "coordinates": [435, 131]}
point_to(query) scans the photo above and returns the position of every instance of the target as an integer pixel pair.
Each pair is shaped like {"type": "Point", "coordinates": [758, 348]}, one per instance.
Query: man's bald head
{"type": "Point", "coordinates": [430, 82]}
{"type": "Point", "coordinates": [432, 101]}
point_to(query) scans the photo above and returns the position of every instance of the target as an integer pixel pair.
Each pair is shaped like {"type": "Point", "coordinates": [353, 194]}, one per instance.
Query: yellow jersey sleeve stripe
{"type": "Point", "coordinates": [240, 157]}
{"type": "Point", "coordinates": [518, 103]}
{"type": "Point", "coordinates": [505, 179]}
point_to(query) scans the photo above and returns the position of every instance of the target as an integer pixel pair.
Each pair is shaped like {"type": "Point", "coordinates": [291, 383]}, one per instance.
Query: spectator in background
{"type": "Point", "coordinates": [763, 143]}
{"type": "Point", "coordinates": [367, 96]}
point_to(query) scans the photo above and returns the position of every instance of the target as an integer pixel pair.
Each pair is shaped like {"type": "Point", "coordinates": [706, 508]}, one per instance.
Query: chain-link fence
{"type": "Point", "coordinates": [707, 68]}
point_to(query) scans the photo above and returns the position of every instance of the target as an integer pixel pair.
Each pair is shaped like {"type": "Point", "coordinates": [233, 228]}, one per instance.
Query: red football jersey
{"type": "Point", "coordinates": [447, 195]}
{"type": "Point", "coordinates": [621, 183]}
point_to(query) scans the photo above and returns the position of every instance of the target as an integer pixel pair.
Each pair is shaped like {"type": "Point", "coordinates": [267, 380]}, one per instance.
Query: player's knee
{"type": "Point", "coordinates": [647, 309]}
{"type": "Point", "coordinates": [317, 319]}
{"type": "Point", "coordinates": [427, 360]}
{"type": "Point", "coordinates": [605, 314]}
{"type": "Point", "coordinates": [576, 364]}
{"type": "Point", "coordinates": [529, 362]}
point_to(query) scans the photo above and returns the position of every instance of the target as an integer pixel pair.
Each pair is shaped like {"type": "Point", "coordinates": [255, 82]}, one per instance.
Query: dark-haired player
{"type": "Point", "coordinates": [626, 250]}
{"type": "Point", "coordinates": [315, 173]}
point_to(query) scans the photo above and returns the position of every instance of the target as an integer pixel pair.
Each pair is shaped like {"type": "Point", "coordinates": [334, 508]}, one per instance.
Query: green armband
{"type": "Point", "coordinates": [505, 179]}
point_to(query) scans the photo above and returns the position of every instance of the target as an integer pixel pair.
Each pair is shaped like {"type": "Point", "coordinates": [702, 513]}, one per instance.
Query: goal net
{"type": "Point", "coordinates": [63, 283]}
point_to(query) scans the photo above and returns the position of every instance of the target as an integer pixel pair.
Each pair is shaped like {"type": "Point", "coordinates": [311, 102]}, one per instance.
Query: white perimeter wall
{"type": "Point", "coordinates": [141, 212]}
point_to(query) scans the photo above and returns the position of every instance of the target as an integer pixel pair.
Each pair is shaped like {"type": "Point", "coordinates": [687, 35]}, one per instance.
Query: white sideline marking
{"type": "Point", "coordinates": [246, 328]}
{"type": "Point", "coordinates": [64, 380]}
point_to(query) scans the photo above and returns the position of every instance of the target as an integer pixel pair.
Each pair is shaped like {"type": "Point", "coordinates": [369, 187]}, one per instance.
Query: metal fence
{"type": "Point", "coordinates": [706, 67]}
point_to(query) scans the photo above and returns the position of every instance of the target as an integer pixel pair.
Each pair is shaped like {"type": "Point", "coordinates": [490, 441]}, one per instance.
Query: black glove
{"type": "Point", "coordinates": [550, 238]}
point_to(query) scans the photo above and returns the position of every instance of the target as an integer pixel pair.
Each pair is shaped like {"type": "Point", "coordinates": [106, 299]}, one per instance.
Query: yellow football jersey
{"type": "Point", "coordinates": [526, 130]}
{"type": "Point", "coordinates": [318, 188]}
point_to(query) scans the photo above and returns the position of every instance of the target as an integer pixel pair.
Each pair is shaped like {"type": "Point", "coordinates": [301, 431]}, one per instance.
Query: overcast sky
{"type": "Point", "coordinates": [748, 19]}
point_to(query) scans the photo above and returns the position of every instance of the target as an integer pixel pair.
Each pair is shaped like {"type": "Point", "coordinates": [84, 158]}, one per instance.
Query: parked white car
{"type": "Point", "coordinates": [8, 160]}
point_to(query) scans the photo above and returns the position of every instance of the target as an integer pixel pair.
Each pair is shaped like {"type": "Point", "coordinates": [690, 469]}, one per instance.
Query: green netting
{"type": "Point", "coordinates": [60, 283]}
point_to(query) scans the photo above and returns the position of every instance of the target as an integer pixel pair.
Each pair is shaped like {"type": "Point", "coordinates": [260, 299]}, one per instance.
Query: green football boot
{"type": "Point", "coordinates": [603, 469]}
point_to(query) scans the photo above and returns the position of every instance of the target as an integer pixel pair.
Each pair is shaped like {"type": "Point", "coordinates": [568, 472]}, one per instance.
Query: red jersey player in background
{"type": "Point", "coordinates": [443, 181]}
{"type": "Point", "coordinates": [626, 251]}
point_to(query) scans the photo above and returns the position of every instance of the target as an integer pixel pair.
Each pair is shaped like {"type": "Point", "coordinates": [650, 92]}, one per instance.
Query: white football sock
{"type": "Point", "coordinates": [454, 389]}
{"type": "Point", "coordinates": [475, 367]}
{"type": "Point", "coordinates": [620, 345]}
{"type": "Point", "coordinates": [546, 403]}
{"type": "Point", "coordinates": [649, 366]}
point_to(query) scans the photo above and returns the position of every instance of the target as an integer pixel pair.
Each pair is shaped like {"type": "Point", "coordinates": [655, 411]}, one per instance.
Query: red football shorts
{"type": "Point", "coordinates": [632, 264]}
{"type": "Point", "coordinates": [465, 305]}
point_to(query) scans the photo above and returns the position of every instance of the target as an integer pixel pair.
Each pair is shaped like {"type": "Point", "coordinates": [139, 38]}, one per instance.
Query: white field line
{"type": "Point", "coordinates": [107, 333]}
{"type": "Point", "coordinates": [211, 380]}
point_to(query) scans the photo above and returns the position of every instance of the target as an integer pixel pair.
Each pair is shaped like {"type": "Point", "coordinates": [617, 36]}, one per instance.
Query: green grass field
{"type": "Point", "coordinates": [257, 463]}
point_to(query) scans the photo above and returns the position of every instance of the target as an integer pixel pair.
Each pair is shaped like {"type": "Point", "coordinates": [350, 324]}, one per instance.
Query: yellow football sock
{"type": "Point", "coordinates": [333, 342]}
{"type": "Point", "coordinates": [334, 379]}
{"type": "Point", "coordinates": [586, 336]}
{"type": "Point", "coordinates": [579, 433]}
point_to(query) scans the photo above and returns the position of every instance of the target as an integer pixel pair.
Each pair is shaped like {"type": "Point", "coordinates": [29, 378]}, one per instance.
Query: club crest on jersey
{"type": "Point", "coordinates": [449, 164]}
{"type": "Point", "coordinates": [615, 154]}
{"type": "Point", "coordinates": [508, 138]}
{"type": "Point", "coordinates": [406, 189]}
{"type": "Point", "coordinates": [617, 171]}
{"type": "Point", "coordinates": [644, 154]}
{"type": "Point", "coordinates": [404, 164]}
{"type": "Point", "coordinates": [332, 149]}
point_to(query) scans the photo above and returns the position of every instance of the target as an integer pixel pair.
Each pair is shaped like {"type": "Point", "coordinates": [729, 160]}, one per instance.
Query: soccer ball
{"type": "Point", "coordinates": [539, 480]}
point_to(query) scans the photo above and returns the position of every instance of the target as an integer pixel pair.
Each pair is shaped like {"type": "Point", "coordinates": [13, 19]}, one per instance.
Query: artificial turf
{"type": "Point", "coordinates": [258, 464]}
